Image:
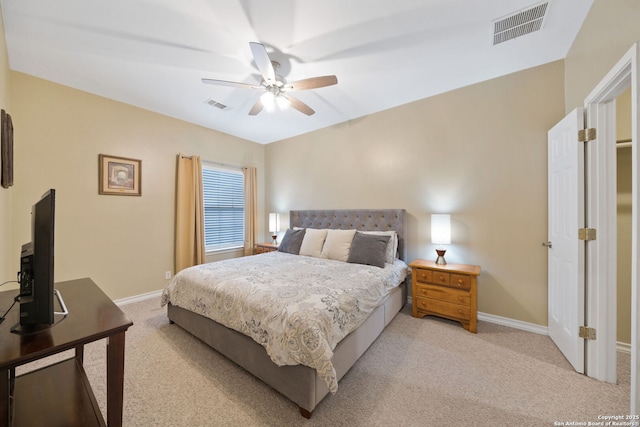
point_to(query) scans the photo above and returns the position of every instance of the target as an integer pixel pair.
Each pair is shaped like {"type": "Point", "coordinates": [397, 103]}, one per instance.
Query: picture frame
{"type": "Point", "coordinates": [119, 176]}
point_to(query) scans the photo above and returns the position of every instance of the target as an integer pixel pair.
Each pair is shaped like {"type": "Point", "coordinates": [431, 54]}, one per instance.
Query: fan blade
{"type": "Point", "coordinates": [257, 107]}
{"type": "Point", "coordinates": [230, 84]}
{"type": "Point", "coordinates": [263, 62]}
{"type": "Point", "coordinates": [311, 83]}
{"type": "Point", "coordinates": [299, 105]}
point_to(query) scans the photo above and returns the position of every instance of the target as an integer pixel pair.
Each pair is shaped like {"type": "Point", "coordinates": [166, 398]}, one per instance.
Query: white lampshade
{"type": "Point", "coordinates": [441, 229]}
{"type": "Point", "coordinates": [274, 222]}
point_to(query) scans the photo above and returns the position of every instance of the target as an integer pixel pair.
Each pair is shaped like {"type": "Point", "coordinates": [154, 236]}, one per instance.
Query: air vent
{"type": "Point", "coordinates": [216, 104]}
{"type": "Point", "coordinates": [520, 23]}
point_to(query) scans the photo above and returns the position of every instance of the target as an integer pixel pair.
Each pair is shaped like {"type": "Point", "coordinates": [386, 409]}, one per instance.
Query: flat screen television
{"type": "Point", "coordinates": [36, 265]}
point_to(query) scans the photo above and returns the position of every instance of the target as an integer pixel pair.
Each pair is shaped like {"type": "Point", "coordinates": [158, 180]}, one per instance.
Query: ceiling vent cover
{"type": "Point", "coordinates": [216, 104]}
{"type": "Point", "coordinates": [520, 23]}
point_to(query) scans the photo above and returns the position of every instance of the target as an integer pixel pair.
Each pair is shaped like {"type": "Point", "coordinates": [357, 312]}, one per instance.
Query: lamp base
{"type": "Point", "coordinates": [440, 260]}
{"type": "Point", "coordinates": [274, 239]}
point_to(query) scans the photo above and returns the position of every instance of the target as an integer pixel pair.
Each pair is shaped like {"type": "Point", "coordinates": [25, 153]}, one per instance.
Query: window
{"type": "Point", "coordinates": [223, 191]}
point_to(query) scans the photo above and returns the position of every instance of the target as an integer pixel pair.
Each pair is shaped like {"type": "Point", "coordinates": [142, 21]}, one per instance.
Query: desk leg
{"type": "Point", "coordinates": [115, 379]}
{"type": "Point", "coordinates": [4, 397]}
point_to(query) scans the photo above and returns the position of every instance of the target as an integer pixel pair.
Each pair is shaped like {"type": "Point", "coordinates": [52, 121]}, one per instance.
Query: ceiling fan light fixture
{"type": "Point", "coordinates": [283, 103]}
{"type": "Point", "coordinates": [272, 98]}
{"type": "Point", "coordinates": [268, 100]}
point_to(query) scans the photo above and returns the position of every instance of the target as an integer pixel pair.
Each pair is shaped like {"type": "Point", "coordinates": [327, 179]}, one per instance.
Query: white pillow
{"type": "Point", "coordinates": [338, 244]}
{"type": "Point", "coordinates": [313, 241]}
{"type": "Point", "coordinates": [392, 246]}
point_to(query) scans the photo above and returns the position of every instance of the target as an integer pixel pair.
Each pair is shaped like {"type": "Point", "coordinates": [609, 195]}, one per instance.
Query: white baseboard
{"type": "Point", "coordinates": [531, 327]}
{"type": "Point", "coordinates": [623, 347]}
{"type": "Point", "coordinates": [138, 298]}
{"type": "Point", "coordinates": [505, 321]}
{"type": "Point", "coordinates": [512, 323]}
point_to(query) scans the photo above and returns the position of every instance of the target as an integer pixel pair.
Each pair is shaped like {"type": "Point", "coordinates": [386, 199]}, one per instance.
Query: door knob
{"type": "Point", "coordinates": [547, 244]}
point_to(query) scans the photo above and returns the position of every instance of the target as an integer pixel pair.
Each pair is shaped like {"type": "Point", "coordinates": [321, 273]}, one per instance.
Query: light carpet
{"type": "Point", "coordinates": [419, 372]}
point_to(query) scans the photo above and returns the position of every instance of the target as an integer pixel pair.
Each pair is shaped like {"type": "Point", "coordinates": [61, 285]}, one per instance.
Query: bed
{"type": "Point", "coordinates": [303, 379]}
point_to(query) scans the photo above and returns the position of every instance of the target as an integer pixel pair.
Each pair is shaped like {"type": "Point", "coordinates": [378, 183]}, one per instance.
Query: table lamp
{"type": "Point", "coordinates": [274, 226]}
{"type": "Point", "coordinates": [441, 234]}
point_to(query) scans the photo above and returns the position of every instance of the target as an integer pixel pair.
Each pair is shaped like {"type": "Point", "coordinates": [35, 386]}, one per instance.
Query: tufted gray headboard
{"type": "Point", "coordinates": [359, 219]}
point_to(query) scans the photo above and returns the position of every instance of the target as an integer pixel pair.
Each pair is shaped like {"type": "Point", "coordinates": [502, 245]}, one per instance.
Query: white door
{"type": "Point", "coordinates": [566, 252]}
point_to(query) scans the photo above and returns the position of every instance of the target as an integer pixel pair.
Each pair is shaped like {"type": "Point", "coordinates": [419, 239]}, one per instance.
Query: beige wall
{"type": "Point", "coordinates": [478, 153]}
{"type": "Point", "coordinates": [7, 268]}
{"type": "Point", "coordinates": [609, 30]}
{"type": "Point", "coordinates": [124, 243]}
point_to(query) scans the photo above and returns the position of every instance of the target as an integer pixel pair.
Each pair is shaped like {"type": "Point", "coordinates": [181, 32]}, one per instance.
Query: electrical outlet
{"type": "Point", "coordinates": [167, 275]}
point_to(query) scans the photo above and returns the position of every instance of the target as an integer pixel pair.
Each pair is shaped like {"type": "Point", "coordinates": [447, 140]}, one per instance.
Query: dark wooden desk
{"type": "Point", "coordinates": [60, 394]}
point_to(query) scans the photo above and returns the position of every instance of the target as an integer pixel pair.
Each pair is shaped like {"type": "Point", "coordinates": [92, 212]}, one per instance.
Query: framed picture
{"type": "Point", "coordinates": [119, 176]}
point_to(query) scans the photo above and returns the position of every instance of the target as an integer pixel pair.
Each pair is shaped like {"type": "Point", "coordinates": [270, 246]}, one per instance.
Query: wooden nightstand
{"type": "Point", "coordinates": [449, 291]}
{"type": "Point", "coordinates": [264, 247]}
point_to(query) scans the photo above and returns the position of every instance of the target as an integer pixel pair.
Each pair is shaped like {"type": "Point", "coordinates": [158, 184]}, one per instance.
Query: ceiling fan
{"type": "Point", "coordinates": [276, 88]}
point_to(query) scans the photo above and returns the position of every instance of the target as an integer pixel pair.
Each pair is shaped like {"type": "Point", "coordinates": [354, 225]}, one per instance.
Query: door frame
{"type": "Point", "coordinates": [600, 302]}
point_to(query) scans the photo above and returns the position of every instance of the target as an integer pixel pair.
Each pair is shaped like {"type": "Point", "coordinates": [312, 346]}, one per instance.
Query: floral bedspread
{"type": "Point", "coordinates": [297, 307]}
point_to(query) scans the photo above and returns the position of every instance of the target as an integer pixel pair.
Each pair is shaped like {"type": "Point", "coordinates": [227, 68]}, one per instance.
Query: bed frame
{"type": "Point", "coordinates": [299, 383]}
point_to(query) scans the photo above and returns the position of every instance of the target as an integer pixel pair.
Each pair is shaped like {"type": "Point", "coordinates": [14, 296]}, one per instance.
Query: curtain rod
{"type": "Point", "coordinates": [215, 163]}
{"type": "Point", "coordinates": [223, 164]}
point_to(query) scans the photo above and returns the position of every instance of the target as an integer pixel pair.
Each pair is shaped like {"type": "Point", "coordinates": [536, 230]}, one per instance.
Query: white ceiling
{"type": "Point", "coordinates": [385, 53]}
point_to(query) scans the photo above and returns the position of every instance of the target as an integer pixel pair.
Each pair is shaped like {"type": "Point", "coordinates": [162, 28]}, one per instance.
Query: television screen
{"type": "Point", "coordinates": [36, 265]}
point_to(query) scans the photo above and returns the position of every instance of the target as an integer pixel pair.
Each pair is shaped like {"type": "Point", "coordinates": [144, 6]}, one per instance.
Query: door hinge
{"type": "Point", "coordinates": [587, 333]}
{"type": "Point", "coordinates": [587, 234]}
{"type": "Point", "coordinates": [585, 135]}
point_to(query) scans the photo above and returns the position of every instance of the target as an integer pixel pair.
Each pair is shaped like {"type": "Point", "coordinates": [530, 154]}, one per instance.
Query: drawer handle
{"type": "Point", "coordinates": [460, 282]}
{"type": "Point", "coordinates": [441, 278]}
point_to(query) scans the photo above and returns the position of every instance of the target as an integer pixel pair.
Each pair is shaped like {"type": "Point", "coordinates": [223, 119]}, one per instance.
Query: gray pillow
{"type": "Point", "coordinates": [368, 249]}
{"type": "Point", "coordinates": [292, 241]}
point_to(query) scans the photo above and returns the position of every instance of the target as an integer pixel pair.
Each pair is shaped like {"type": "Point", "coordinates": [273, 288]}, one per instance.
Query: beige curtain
{"type": "Point", "coordinates": [189, 213]}
{"type": "Point", "coordinates": [250, 208]}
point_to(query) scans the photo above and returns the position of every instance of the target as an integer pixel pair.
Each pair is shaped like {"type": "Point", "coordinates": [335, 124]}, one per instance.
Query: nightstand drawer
{"type": "Point", "coordinates": [443, 294]}
{"type": "Point", "coordinates": [440, 278]}
{"type": "Point", "coordinates": [460, 281]}
{"type": "Point", "coordinates": [445, 308]}
{"type": "Point", "coordinates": [423, 275]}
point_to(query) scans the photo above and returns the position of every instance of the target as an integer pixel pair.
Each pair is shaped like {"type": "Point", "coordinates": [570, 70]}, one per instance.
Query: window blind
{"type": "Point", "coordinates": [223, 192]}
